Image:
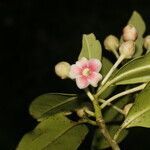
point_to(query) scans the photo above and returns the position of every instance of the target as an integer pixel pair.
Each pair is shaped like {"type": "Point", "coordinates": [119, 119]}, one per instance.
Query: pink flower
{"type": "Point", "coordinates": [86, 72]}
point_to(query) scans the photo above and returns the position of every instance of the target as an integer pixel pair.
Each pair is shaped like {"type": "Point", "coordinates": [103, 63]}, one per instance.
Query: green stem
{"type": "Point", "coordinates": [116, 53]}
{"type": "Point", "coordinates": [113, 106]}
{"type": "Point", "coordinates": [90, 113]}
{"type": "Point", "coordinates": [100, 121]}
{"type": "Point", "coordinates": [120, 59]}
{"type": "Point", "coordinates": [89, 121]}
{"type": "Point", "coordinates": [138, 88]}
{"type": "Point", "coordinates": [103, 88]}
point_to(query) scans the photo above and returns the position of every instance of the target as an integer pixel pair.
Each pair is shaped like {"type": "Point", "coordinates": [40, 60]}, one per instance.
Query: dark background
{"type": "Point", "coordinates": [34, 36]}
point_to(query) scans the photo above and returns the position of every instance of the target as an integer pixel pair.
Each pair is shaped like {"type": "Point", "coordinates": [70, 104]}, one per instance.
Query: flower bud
{"type": "Point", "coordinates": [127, 49]}
{"type": "Point", "coordinates": [62, 69]}
{"type": "Point", "coordinates": [127, 108]}
{"type": "Point", "coordinates": [147, 42]}
{"type": "Point", "coordinates": [129, 33]}
{"type": "Point", "coordinates": [80, 112]}
{"type": "Point", "coordinates": [111, 43]}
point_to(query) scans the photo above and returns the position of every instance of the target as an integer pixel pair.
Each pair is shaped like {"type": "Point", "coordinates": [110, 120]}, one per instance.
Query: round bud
{"type": "Point", "coordinates": [129, 33]}
{"type": "Point", "coordinates": [62, 69]}
{"type": "Point", "coordinates": [80, 112]}
{"type": "Point", "coordinates": [127, 108]}
{"type": "Point", "coordinates": [147, 42]}
{"type": "Point", "coordinates": [111, 43]}
{"type": "Point", "coordinates": [127, 49]}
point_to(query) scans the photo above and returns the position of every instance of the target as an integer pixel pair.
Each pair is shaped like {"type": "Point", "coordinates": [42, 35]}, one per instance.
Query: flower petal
{"type": "Point", "coordinates": [95, 65]}
{"type": "Point", "coordinates": [82, 63]}
{"type": "Point", "coordinates": [82, 82]}
{"type": "Point", "coordinates": [94, 78]}
{"type": "Point", "coordinates": [75, 71]}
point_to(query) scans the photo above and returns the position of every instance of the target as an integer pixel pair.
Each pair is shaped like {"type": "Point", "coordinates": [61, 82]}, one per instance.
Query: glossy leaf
{"type": "Point", "coordinates": [99, 142]}
{"type": "Point", "coordinates": [139, 115]}
{"type": "Point", "coordinates": [55, 133]}
{"type": "Point", "coordinates": [91, 47]}
{"type": "Point", "coordinates": [106, 66]}
{"type": "Point", "coordinates": [136, 71]}
{"type": "Point", "coordinates": [51, 103]}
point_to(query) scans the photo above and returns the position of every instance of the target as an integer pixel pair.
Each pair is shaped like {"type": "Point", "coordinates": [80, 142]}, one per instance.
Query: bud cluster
{"type": "Point", "coordinates": [127, 47]}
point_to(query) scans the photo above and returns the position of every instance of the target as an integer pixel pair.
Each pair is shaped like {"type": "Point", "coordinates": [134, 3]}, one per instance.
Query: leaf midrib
{"type": "Point", "coordinates": [58, 105]}
{"type": "Point", "coordinates": [60, 135]}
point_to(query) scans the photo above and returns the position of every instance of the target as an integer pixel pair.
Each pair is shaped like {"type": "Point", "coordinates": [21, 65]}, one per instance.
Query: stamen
{"type": "Point", "coordinates": [86, 72]}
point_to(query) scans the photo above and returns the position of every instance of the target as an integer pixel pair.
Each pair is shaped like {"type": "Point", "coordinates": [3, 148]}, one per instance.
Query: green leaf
{"type": "Point", "coordinates": [137, 21]}
{"type": "Point", "coordinates": [139, 115]}
{"type": "Point", "coordinates": [106, 66]}
{"type": "Point", "coordinates": [99, 142]}
{"type": "Point", "coordinates": [55, 133]}
{"type": "Point", "coordinates": [136, 71]}
{"type": "Point", "coordinates": [91, 48]}
{"type": "Point", "coordinates": [110, 114]}
{"type": "Point", "coordinates": [51, 103]}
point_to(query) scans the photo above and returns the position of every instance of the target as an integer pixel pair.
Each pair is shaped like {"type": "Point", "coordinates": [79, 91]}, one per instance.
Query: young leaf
{"type": "Point", "coordinates": [136, 71]}
{"type": "Point", "coordinates": [139, 115]}
{"type": "Point", "coordinates": [137, 21]}
{"type": "Point", "coordinates": [55, 133]}
{"type": "Point", "coordinates": [99, 142]}
{"type": "Point", "coordinates": [51, 103]}
{"type": "Point", "coordinates": [106, 66]}
{"type": "Point", "coordinates": [91, 48]}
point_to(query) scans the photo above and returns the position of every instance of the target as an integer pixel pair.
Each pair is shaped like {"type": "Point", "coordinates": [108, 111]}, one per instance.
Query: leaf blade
{"type": "Point", "coordinates": [53, 133]}
{"type": "Point", "coordinates": [135, 71]}
{"type": "Point", "coordinates": [52, 103]}
{"type": "Point", "coordinates": [140, 112]}
{"type": "Point", "coordinates": [91, 47]}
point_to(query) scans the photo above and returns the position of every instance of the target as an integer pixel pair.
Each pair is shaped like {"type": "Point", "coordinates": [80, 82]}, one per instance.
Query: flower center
{"type": "Point", "coordinates": [86, 72]}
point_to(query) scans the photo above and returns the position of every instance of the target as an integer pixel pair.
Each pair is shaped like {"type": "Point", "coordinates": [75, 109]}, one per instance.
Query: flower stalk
{"type": "Point", "coordinates": [101, 123]}
{"type": "Point", "coordinates": [113, 106]}
{"type": "Point", "coordinates": [120, 59]}
{"type": "Point", "coordinates": [135, 89]}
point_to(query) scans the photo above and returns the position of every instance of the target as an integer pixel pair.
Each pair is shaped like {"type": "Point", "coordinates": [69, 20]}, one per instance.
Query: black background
{"type": "Point", "coordinates": [34, 36]}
